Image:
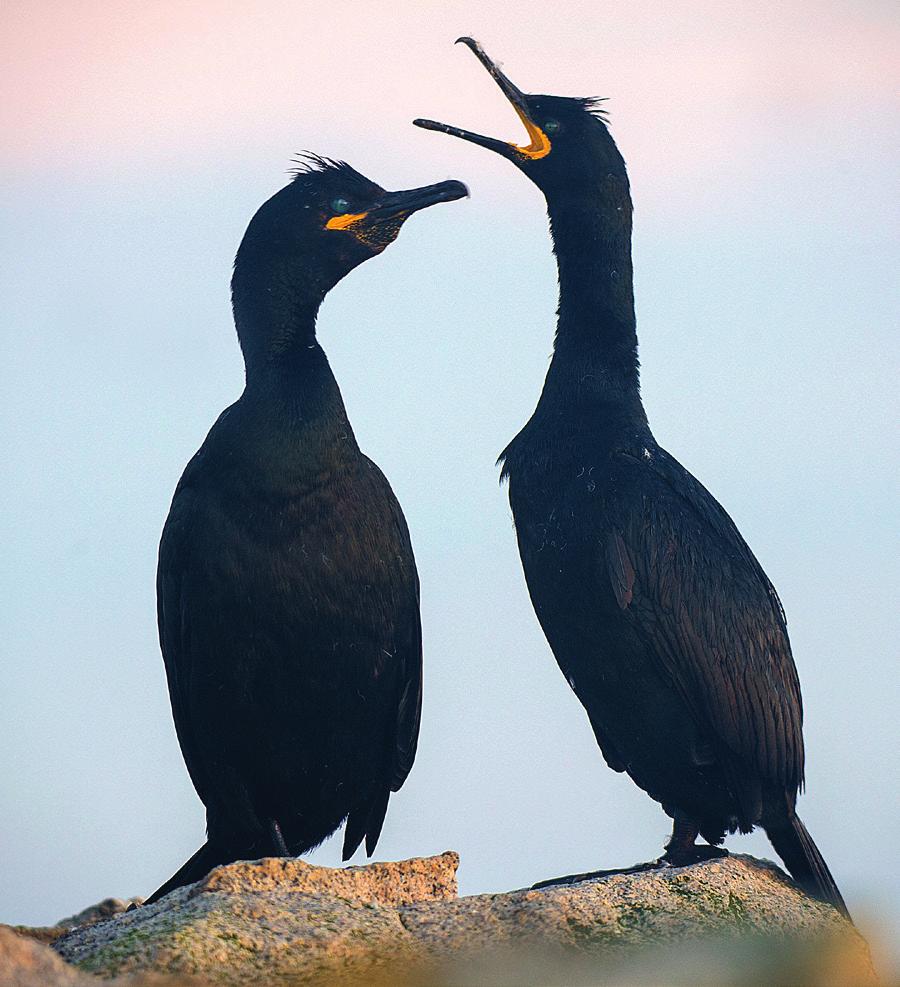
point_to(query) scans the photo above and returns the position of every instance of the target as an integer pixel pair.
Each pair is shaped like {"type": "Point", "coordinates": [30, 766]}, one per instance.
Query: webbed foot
{"type": "Point", "coordinates": [682, 856]}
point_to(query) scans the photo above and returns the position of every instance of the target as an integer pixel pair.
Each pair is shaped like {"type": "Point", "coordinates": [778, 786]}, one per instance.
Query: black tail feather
{"type": "Point", "coordinates": [806, 864]}
{"type": "Point", "coordinates": [376, 820]}
{"type": "Point", "coordinates": [195, 869]}
{"type": "Point", "coordinates": [354, 832]}
{"type": "Point", "coordinates": [366, 821]}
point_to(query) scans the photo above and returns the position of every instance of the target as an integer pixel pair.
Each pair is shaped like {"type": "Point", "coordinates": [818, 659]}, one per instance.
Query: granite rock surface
{"type": "Point", "coordinates": [735, 921]}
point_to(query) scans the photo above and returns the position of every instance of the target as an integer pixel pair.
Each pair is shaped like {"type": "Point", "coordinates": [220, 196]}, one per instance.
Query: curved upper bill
{"type": "Point", "coordinates": [540, 142]}
{"type": "Point", "coordinates": [399, 205]}
{"type": "Point", "coordinates": [412, 200]}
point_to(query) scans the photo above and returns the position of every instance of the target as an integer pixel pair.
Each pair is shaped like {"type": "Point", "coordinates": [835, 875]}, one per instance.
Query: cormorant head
{"type": "Point", "coordinates": [303, 240]}
{"type": "Point", "coordinates": [569, 146]}
{"type": "Point", "coordinates": [327, 221]}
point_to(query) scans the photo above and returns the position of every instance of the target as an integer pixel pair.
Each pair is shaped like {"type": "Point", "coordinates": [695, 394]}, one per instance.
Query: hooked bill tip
{"type": "Point", "coordinates": [454, 189]}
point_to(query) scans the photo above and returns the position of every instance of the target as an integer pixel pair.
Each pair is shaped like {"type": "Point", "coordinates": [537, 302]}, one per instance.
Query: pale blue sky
{"type": "Point", "coordinates": [765, 253]}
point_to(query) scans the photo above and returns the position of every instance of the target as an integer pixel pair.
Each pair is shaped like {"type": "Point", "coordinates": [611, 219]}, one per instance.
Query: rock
{"type": "Point", "coordinates": [267, 919]}
{"type": "Point", "coordinates": [395, 884]}
{"type": "Point", "coordinates": [277, 921]}
{"type": "Point", "coordinates": [97, 913]}
{"type": "Point", "coordinates": [26, 963]}
{"type": "Point", "coordinates": [93, 913]}
{"type": "Point", "coordinates": [40, 933]}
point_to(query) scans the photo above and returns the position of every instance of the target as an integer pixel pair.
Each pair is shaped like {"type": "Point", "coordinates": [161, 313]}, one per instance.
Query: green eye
{"type": "Point", "coordinates": [340, 205]}
{"type": "Point", "coordinates": [551, 127]}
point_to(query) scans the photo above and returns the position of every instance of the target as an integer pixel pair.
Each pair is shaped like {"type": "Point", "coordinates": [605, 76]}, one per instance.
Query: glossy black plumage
{"type": "Point", "coordinates": [659, 615]}
{"type": "Point", "coordinates": [288, 598]}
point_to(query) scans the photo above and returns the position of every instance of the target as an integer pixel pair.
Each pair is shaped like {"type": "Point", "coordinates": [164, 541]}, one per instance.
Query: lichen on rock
{"type": "Point", "coordinates": [277, 921]}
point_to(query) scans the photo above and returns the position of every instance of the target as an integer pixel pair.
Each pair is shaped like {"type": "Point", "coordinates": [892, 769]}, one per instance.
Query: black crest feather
{"type": "Point", "coordinates": [593, 105]}
{"type": "Point", "coordinates": [309, 165]}
{"type": "Point", "coordinates": [308, 162]}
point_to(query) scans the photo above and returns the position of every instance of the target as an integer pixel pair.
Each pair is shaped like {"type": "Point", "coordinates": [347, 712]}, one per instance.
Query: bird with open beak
{"type": "Point", "coordinates": [660, 617]}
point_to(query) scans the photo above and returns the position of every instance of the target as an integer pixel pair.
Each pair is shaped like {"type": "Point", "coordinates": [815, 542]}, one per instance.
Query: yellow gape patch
{"type": "Point", "coordinates": [540, 142]}
{"type": "Point", "coordinates": [375, 235]}
{"type": "Point", "coordinates": [345, 221]}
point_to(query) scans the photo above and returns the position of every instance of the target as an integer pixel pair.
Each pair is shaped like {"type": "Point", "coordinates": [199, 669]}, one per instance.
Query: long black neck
{"type": "Point", "coordinates": [290, 388]}
{"type": "Point", "coordinates": [594, 372]}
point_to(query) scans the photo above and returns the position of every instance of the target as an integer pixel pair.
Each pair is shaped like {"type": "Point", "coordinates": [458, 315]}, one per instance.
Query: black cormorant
{"type": "Point", "coordinates": [288, 599]}
{"type": "Point", "coordinates": [659, 615]}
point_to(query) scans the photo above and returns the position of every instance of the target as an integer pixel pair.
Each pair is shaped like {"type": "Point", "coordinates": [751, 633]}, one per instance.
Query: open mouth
{"type": "Point", "coordinates": [539, 145]}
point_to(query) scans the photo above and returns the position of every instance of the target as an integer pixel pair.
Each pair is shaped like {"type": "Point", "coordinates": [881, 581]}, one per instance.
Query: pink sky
{"type": "Point", "coordinates": [91, 84]}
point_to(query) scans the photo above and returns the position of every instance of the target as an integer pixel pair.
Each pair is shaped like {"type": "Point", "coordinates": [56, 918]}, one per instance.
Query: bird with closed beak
{"type": "Point", "coordinates": [288, 598]}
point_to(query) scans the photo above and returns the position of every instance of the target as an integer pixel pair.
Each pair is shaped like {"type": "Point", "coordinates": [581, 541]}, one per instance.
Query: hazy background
{"type": "Point", "coordinates": [139, 139]}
